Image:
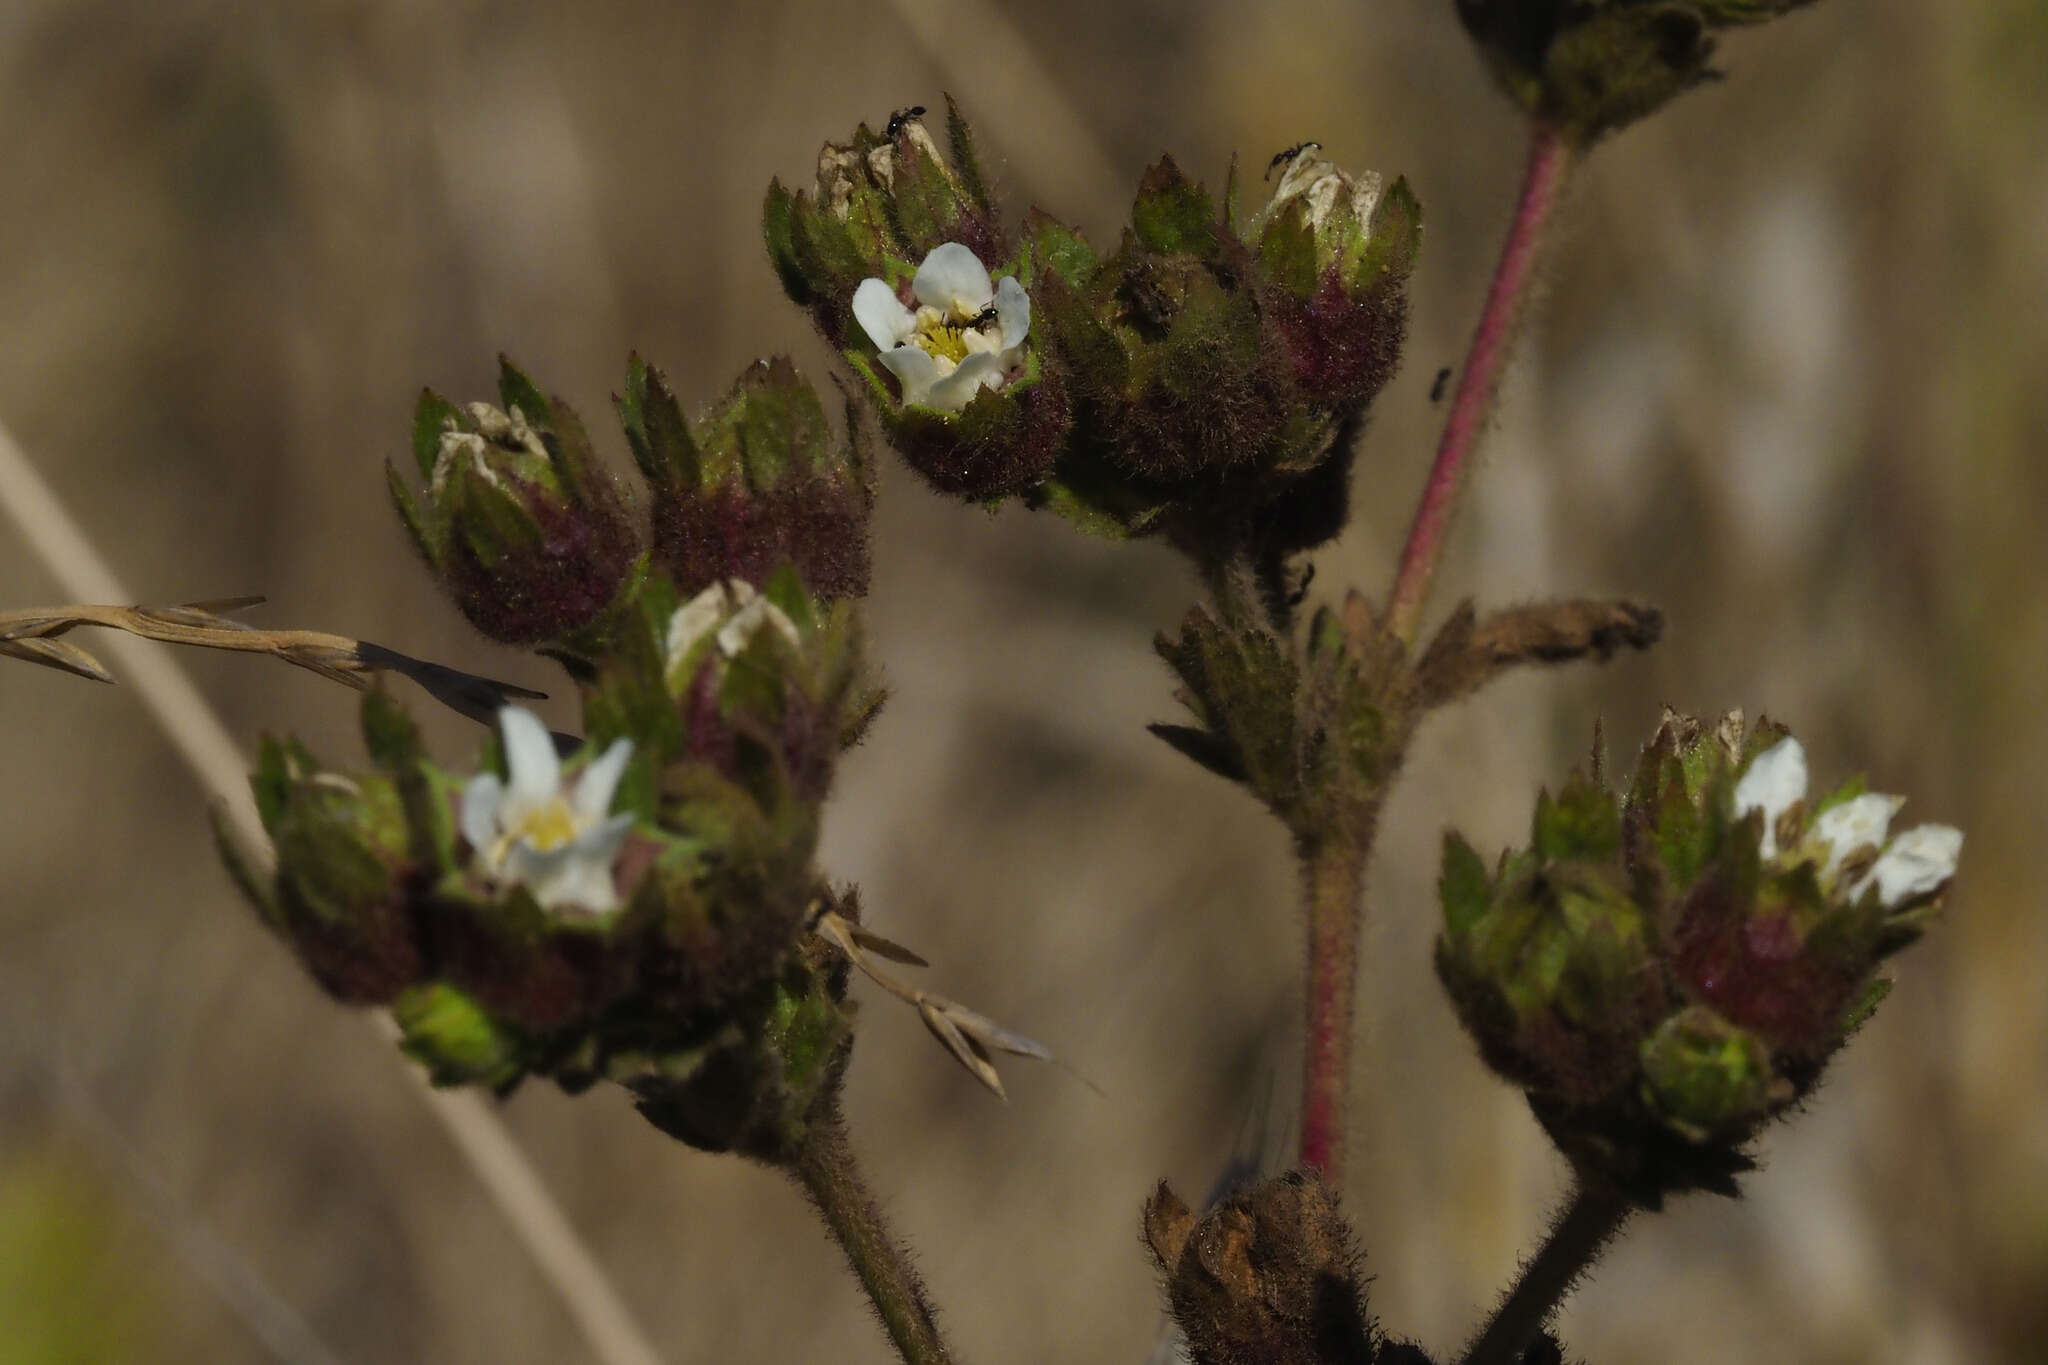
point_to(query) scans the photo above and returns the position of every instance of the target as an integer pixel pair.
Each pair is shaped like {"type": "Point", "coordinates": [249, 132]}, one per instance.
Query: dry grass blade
{"type": "Point", "coordinates": [969, 1036]}
{"type": "Point", "coordinates": [31, 633]}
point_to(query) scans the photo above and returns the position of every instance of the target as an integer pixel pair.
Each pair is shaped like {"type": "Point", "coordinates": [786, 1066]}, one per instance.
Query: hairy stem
{"type": "Point", "coordinates": [826, 1169]}
{"type": "Point", "coordinates": [1333, 875]}
{"type": "Point", "coordinates": [1550, 158]}
{"type": "Point", "coordinates": [1596, 1212]}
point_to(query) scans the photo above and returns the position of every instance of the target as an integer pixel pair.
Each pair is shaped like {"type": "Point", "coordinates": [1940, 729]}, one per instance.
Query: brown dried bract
{"type": "Point", "coordinates": [1468, 653]}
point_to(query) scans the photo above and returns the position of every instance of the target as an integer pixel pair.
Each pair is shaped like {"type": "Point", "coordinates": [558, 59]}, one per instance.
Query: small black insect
{"type": "Point", "coordinates": [1282, 158]}
{"type": "Point", "coordinates": [901, 117]}
{"type": "Point", "coordinates": [983, 318]}
{"type": "Point", "coordinates": [1443, 379]}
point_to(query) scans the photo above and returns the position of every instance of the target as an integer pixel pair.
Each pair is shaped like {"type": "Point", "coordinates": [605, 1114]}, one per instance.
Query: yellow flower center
{"type": "Point", "coordinates": [939, 337]}
{"type": "Point", "coordinates": [550, 827]}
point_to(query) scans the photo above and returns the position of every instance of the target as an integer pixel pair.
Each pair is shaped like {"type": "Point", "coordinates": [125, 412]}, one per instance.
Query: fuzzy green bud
{"type": "Point", "coordinates": [524, 528]}
{"type": "Point", "coordinates": [341, 891]}
{"type": "Point", "coordinates": [1706, 1078]}
{"type": "Point", "coordinates": [759, 483]}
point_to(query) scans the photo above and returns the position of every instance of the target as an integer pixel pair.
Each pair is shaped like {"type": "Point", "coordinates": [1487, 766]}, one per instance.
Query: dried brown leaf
{"type": "Point", "coordinates": [32, 634]}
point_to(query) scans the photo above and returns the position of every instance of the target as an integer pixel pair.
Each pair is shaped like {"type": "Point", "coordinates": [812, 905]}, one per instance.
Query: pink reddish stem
{"type": "Point", "coordinates": [1550, 157]}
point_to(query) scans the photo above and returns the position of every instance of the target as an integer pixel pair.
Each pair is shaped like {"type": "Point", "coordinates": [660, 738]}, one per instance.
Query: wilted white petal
{"type": "Point", "coordinates": [600, 781]}
{"type": "Point", "coordinates": [748, 620]}
{"type": "Point", "coordinates": [1013, 311]}
{"type": "Point", "coordinates": [914, 370]}
{"type": "Point", "coordinates": [479, 818]}
{"type": "Point", "coordinates": [953, 280]}
{"type": "Point", "coordinates": [693, 620]}
{"type": "Point", "coordinates": [534, 774]}
{"type": "Point", "coordinates": [1860, 822]}
{"type": "Point", "coordinates": [1919, 861]}
{"type": "Point", "coordinates": [971, 376]}
{"type": "Point", "coordinates": [1775, 780]}
{"type": "Point", "coordinates": [881, 314]}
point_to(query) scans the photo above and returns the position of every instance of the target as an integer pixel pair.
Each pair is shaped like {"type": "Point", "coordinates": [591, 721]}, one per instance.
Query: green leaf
{"type": "Point", "coordinates": [431, 416]}
{"type": "Point", "coordinates": [1203, 748]}
{"type": "Point", "coordinates": [575, 458]}
{"type": "Point", "coordinates": [1463, 885]}
{"type": "Point", "coordinates": [417, 527]}
{"type": "Point", "coordinates": [1172, 213]}
{"type": "Point", "coordinates": [1287, 251]}
{"type": "Point", "coordinates": [778, 227]}
{"type": "Point", "coordinates": [1395, 241]}
{"type": "Point", "coordinates": [1580, 822]}
{"type": "Point", "coordinates": [966, 163]}
{"type": "Point", "coordinates": [656, 429]}
{"type": "Point", "coordinates": [389, 732]}
{"type": "Point", "coordinates": [1051, 245]}
{"type": "Point", "coordinates": [515, 390]}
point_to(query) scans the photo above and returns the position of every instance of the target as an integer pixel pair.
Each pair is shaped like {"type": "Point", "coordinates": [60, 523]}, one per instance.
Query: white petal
{"type": "Point", "coordinates": [881, 314]}
{"type": "Point", "coordinates": [953, 280]}
{"type": "Point", "coordinates": [1918, 861]}
{"type": "Point", "coordinates": [747, 622]}
{"type": "Point", "coordinates": [479, 819]}
{"type": "Point", "coordinates": [1013, 311]}
{"type": "Point", "coordinates": [1776, 778]}
{"type": "Point", "coordinates": [534, 774]}
{"type": "Point", "coordinates": [562, 878]}
{"type": "Point", "coordinates": [1857, 823]}
{"type": "Point", "coordinates": [601, 843]}
{"type": "Point", "coordinates": [914, 370]}
{"type": "Point", "coordinates": [977, 372]}
{"type": "Point", "coordinates": [693, 620]}
{"type": "Point", "coordinates": [600, 781]}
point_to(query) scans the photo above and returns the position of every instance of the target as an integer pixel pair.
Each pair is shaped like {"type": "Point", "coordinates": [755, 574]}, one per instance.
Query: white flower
{"type": "Point", "coordinates": [528, 831]}
{"type": "Point", "coordinates": [966, 335]}
{"type": "Point", "coordinates": [734, 611]}
{"type": "Point", "coordinates": [1776, 779]}
{"type": "Point", "coordinates": [1917, 862]}
{"type": "Point", "coordinates": [1860, 822]}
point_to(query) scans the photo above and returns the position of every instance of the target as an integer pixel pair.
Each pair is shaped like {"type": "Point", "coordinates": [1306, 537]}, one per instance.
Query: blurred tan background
{"type": "Point", "coordinates": [1788, 386]}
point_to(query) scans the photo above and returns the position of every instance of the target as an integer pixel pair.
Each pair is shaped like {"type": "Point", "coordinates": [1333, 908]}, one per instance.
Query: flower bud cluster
{"type": "Point", "coordinates": [1665, 972]}
{"type": "Point", "coordinates": [632, 906]}
{"type": "Point", "coordinates": [1203, 381]}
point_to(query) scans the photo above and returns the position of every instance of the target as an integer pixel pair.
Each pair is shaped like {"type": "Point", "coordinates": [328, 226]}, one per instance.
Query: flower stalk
{"type": "Point", "coordinates": [1550, 159]}
{"type": "Point", "coordinates": [1589, 1222]}
{"type": "Point", "coordinates": [826, 1169]}
{"type": "Point", "coordinates": [1333, 876]}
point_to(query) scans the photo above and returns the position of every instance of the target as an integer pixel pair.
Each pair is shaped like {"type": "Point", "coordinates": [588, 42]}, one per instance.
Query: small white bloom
{"type": "Point", "coordinates": [528, 831]}
{"type": "Point", "coordinates": [729, 613]}
{"type": "Point", "coordinates": [966, 335]}
{"type": "Point", "coordinates": [1860, 822]}
{"type": "Point", "coordinates": [1774, 782]}
{"type": "Point", "coordinates": [1917, 862]}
